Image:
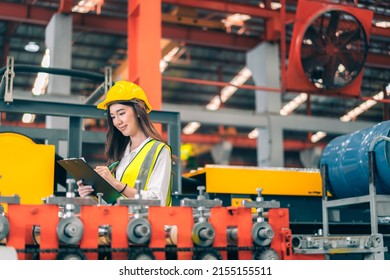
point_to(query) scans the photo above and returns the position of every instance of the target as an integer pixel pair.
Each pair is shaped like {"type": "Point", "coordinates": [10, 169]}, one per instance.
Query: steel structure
{"type": "Point", "coordinates": [210, 54]}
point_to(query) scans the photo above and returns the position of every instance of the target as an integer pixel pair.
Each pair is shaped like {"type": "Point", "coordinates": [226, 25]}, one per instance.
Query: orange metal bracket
{"type": "Point", "coordinates": [22, 218]}
{"type": "Point", "coordinates": [182, 217]}
{"type": "Point", "coordinates": [222, 218]}
{"type": "Point", "coordinates": [95, 216]}
{"type": "Point", "coordinates": [278, 219]}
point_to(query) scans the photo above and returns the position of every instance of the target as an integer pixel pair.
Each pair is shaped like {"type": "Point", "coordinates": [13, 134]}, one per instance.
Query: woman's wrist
{"type": "Point", "coordinates": [123, 189]}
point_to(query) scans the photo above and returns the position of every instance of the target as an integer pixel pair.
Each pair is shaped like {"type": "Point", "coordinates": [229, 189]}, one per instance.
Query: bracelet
{"type": "Point", "coordinates": [123, 189]}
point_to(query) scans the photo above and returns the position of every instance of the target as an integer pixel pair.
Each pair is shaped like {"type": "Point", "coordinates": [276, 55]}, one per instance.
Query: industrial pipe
{"type": "Point", "coordinates": [56, 71]}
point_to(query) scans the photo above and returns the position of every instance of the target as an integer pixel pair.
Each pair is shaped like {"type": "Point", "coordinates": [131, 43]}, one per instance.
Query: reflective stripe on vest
{"type": "Point", "coordinates": [146, 164]}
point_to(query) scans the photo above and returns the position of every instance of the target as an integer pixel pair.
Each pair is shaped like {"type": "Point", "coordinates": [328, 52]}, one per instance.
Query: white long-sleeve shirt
{"type": "Point", "coordinates": [160, 177]}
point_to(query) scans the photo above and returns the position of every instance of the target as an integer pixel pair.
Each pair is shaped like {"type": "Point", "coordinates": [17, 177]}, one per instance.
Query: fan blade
{"type": "Point", "coordinates": [310, 62]}
{"type": "Point", "coordinates": [333, 23]}
{"type": "Point", "coordinates": [330, 72]}
{"type": "Point", "coordinates": [347, 58]}
{"type": "Point", "coordinates": [313, 34]}
{"type": "Point", "coordinates": [310, 51]}
{"type": "Point", "coordinates": [349, 36]}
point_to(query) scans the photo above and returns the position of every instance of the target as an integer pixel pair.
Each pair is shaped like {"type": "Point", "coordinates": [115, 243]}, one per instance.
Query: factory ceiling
{"type": "Point", "coordinates": [211, 43]}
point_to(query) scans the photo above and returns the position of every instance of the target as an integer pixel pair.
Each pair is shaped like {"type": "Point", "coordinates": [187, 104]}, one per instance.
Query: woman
{"type": "Point", "coordinates": [134, 148]}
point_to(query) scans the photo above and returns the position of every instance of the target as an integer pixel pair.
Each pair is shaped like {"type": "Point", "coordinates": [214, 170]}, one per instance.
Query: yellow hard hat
{"type": "Point", "coordinates": [124, 91]}
{"type": "Point", "coordinates": [186, 151]}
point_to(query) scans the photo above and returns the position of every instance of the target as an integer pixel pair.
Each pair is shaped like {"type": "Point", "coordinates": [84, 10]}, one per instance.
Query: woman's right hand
{"type": "Point", "coordinates": [84, 190]}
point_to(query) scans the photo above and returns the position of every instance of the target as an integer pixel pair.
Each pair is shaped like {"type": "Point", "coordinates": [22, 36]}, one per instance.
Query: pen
{"type": "Point", "coordinates": [112, 165]}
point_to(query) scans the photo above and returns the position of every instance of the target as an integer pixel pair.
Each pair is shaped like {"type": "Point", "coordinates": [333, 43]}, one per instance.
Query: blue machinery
{"type": "Point", "coordinates": [348, 163]}
{"type": "Point", "coordinates": [355, 169]}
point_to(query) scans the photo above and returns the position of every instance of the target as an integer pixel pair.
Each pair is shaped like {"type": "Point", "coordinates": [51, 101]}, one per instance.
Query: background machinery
{"type": "Point", "coordinates": [220, 212]}
{"type": "Point", "coordinates": [222, 219]}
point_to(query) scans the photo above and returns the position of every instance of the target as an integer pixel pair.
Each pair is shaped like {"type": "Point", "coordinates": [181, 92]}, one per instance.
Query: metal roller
{"type": "Point", "coordinates": [203, 234]}
{"type": "Point", "coordinates": [262, 233]}
{"type": "Point", "coordinates": [139, 231]}
{"type": "Point", "coordinates": [4, 227]}
{"type": "Point", "coordinates": [296, 241]}
{"type": "Point", "coordinates": [70, 230]}
{"type": "Point", "coordinates": [171, 235]}
{"type": "Point", "coordinates": [232, 236]}
{"type": "Point", "coordinates": [36, 234]}
{"type": "Point", "coordinates": [104, 232]}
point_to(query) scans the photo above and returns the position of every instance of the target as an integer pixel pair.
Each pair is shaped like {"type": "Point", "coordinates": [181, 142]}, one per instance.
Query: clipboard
{"type": "Point", "coordinates": [81, 170]}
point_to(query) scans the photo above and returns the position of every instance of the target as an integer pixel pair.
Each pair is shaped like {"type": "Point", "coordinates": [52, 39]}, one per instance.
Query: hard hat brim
{"type": "Point", "coordinates": [104, 105]}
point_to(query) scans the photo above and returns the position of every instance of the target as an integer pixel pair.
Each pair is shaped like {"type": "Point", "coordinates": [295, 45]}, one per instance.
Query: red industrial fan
{"type": "Point", "coordinates": [328, 48]}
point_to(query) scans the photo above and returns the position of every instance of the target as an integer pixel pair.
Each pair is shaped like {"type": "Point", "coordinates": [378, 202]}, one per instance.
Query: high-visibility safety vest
{"type": "Point", "coordinates": [141, 167]}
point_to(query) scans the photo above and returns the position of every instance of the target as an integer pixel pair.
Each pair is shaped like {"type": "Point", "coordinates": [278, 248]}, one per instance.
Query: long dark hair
{"type": "Point", "coordinates": [116, 142]}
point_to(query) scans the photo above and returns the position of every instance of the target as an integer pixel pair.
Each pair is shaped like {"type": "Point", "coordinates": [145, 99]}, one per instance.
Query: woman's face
{"type": "Point", "coordinates": [124, 119]}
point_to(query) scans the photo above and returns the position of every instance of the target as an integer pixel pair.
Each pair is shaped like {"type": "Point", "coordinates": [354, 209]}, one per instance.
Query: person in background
{"type": "Point", "coordinates": [134, 148]}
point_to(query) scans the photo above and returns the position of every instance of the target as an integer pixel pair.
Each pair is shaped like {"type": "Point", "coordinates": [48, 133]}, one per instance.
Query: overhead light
{"type": "Point", "coordinates": [85, 6]}
{"type": "Point", "coordinates": [228, 91]}
{"type": "Point", "coordinates": [307, 42]}
{"type": "Point", "coordinates": [293, 104]}
{"type": "Point", "coordinates": [42, 79]}
{"type": "Point", "coordinates": [275, 5]}
{"type": "Point", "coordinates": [351, 115]}
{"type": "Point", "coordinates": [253, 134]}
{"type": "Point", "coordinates": [28, 118]}
{"type": "Point", "coordinates": [191, 127]}
{"type": "Point", "coordinates": [317, 136]}
{"type": "Point", "coordinates": [382, 24]}
{"type": "Point", "coordinates": [31, 47]}
{"type": "Point", "coordinates": [214, 104]}
{"type": "Point", "coordinates": [238, 19]}
{"type": "Point", "coordinates": [341, 68]}
{"type": "Point", "coordinates": [235, 20]}
{"type": "Point", "coordinates": [168, 58]}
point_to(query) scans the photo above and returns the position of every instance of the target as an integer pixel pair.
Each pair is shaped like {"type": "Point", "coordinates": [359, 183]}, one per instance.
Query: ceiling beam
{"type": "Point", "coordinates": [255, 11]}
{"type": "Point", "coordinates": [10, 29]}
{"type": "Point", "coordinates": [242, 118]}
{"type": "Point", "coordinates": [208, 38]}
{"type": "Point", "coordinates": [112, 25]}
{"type": "Point", "coordinates": [226, 7]}
{"type": "Point", "coordinates": [41, 16]}
{"type": "Point", "coordinates": [378, 60]}
{"type": "Point", "coordinates": [242, 141]}
{"type": "Point", "coordinates": [65, 6]}
{"type": "Point", "coordinates": [118, 26]}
